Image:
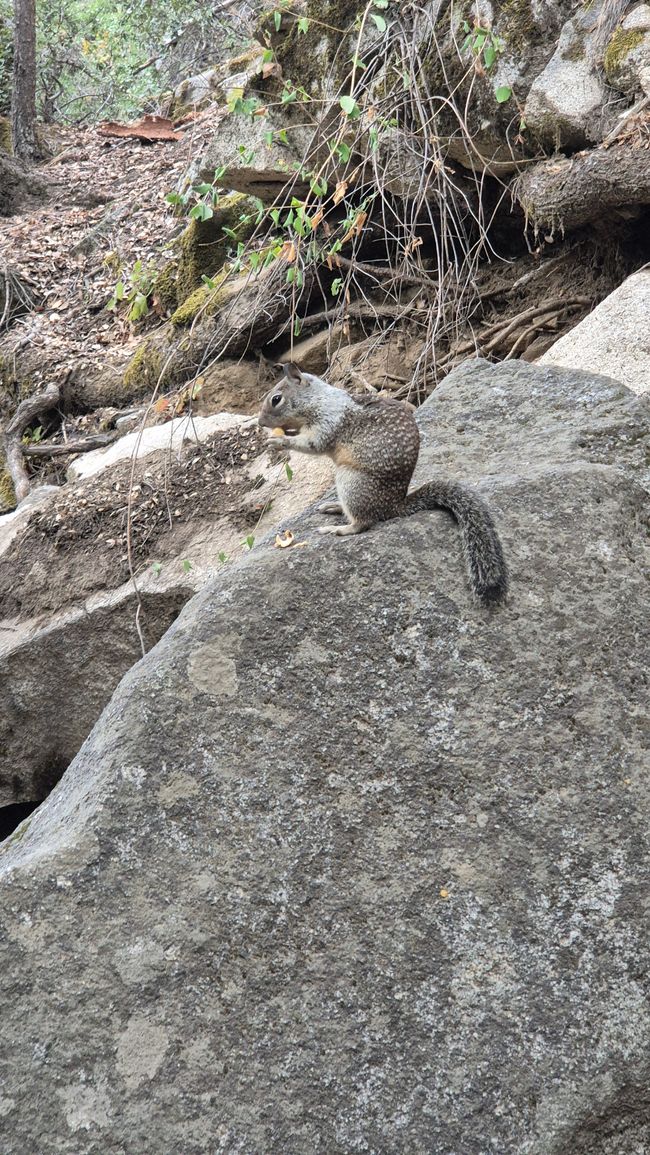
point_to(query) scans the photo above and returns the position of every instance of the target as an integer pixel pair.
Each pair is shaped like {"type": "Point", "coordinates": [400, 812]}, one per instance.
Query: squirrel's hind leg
{"type": "Point", "coordinates": [330, 507]}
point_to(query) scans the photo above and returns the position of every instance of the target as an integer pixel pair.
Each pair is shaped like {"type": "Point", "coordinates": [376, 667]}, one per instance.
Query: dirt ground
{"type": "Point", "coordinates": [77, 545]}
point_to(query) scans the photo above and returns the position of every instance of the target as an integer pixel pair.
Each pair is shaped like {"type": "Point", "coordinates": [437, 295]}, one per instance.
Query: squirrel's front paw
{"type": "Point", "coordinates": [278, 447]}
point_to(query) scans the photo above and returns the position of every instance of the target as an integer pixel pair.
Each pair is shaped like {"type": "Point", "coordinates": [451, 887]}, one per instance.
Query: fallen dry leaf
{"type": "Point", "coordinates": [284, 539]}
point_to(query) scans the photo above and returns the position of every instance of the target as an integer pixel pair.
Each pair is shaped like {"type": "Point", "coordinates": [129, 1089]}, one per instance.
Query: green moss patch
{"type": "Point", "coordinates": [6, 142]}
{"type": "Point", "coordinates": [621, 44]}
{"type": "Point", "coordinates": [144, 369]}
{"type": "Point", "coordinates": [203, 300]}
{"type": "Point", "coordinates": [204, 244]}
{"type": "Point", "coordinates": [7, 494]}
{"type": "Point", "coordinates": [166, 288]}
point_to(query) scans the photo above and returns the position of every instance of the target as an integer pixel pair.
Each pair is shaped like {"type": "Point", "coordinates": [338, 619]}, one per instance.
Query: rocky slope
{"type": "Point", "coordinates": [349, 864]}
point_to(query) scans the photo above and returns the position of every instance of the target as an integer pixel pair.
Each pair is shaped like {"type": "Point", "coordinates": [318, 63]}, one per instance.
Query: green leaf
{"type": "Point", "coordinates": [187, 565]}
{"type": "Point", "coordinates": [119, 291]}
{"type": "Point", "coordinates": [277, 20]}
{"type": "Point", "coordinates": [336, 286]}
{"type": "Point", "coordinates": [139, 308]}
{"type": "Point", "coordinates": [156, 568]}
{"type": "Point", "coordinates": [502, 94]}
{"type": "Point", "coordinates": [379, 21]}
{"type": "Point", "coordinates": [249, 541]}
{"type": "Point", "coordinates": [201, 212]}
{"type": "Point", "coordinates": [174, 199]}
{"type": "Point", "coordinates": [349, 106]}
{"type": "Point", "coordinates": [223, 557]}
{"type": "Point", "coordinates": [381, 3]}
{"type": "Point", "coordinates": [303, 24]}
{"type": "Point", "coordinates": [343, 151]}
{"type": "Point", "coordinates": [489, 55]}
{"type": "Point", "coordinates": [208, 281]}
{"type": "Point", "coordinates": [288, 470]}
{"type": "Point", "coordinates": [202, 189]}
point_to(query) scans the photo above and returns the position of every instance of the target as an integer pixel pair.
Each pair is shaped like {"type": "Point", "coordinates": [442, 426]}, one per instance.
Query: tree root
{"type": "Point", "coordinates": [13, 447]}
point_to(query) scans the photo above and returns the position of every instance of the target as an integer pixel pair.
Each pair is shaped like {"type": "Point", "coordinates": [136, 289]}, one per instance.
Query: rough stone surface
{"type": "Point", "coordinates": [350, 864]}
{"type": "Point", "coordinates": [249, 164]}
{"type": "Point", "coordinates": [627, 60]}
{"type": "Point", "coordinates": [62, 658]}
{"type": "Point", "coordinates": [566, 106]}
{"type": "Point", "coordinates": [614, 338]}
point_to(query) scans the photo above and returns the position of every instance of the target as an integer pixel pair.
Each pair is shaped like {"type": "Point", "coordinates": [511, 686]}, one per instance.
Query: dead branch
{"type": "Point", "coordinates": [565, 193]}
{"type": "Point", "coordinates": [13, 448]}
{"type": "Point", "coordinates": [384, 272]}
{"type": "Point", "coordinates": [59, 449]}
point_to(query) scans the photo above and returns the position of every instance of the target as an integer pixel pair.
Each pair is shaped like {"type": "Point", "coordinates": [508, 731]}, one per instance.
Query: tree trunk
{"type": "Point", "coordinates": [16, 185]}
{"type": "Point", "coordinates": [23, 112]}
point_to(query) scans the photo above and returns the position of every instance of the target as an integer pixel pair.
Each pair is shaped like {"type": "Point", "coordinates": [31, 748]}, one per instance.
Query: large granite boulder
{"type": "Point", "coordinates": [351, 864]}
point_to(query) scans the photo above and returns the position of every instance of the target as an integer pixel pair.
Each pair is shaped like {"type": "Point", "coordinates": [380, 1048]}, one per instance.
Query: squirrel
{"type": "Point", "coordinates": [374, 444]}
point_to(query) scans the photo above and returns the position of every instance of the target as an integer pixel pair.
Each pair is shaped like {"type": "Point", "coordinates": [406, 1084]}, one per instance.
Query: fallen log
{"type": "Point", "coordinates": [564, 194]}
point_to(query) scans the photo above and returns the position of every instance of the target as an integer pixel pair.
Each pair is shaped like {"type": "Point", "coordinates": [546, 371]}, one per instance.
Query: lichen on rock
{"type": "Point", "coordinates": [627, 60]}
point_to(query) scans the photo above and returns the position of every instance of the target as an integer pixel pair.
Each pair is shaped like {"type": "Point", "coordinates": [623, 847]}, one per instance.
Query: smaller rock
{"type": "Point", "coordinates": [315, 353]}
{"type": "Point", "coordinates": [565, 105]}
{"type": "Point", "coordinates": [169, 436]}
{"type": "Point", "coordinates": [614, 339]}
{"type": "Point", "coordinates": [129, 421]}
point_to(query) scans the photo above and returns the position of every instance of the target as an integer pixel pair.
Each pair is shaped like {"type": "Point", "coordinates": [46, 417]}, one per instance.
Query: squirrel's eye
{"type": "Point", "coordinates": [276, 399]}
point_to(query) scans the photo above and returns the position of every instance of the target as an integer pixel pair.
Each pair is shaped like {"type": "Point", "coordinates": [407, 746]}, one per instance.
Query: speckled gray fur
{"type": "Point", "coordinates": [350, 865]}
{"type": "Point", "coordinates": [374, 444]}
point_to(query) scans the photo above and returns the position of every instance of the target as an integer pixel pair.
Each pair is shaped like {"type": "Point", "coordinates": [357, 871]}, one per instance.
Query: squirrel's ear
{"type": "Point", "coordinates": [292, 372]}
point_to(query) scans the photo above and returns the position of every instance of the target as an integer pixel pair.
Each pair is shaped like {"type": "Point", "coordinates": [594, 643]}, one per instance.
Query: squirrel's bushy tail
{"type": "Point", "coordinates": [488, 572]}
